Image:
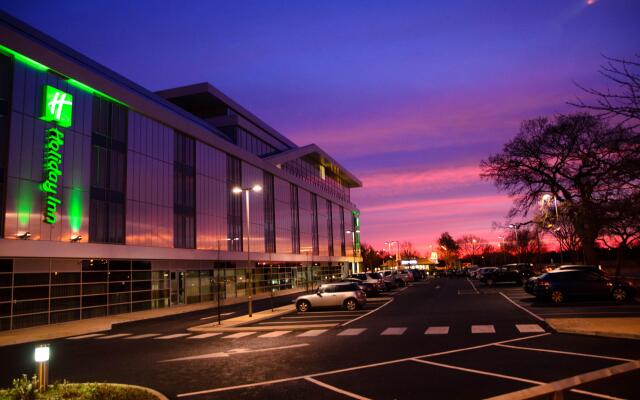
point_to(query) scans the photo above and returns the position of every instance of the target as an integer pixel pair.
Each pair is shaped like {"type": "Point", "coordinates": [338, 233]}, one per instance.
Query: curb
{"type": "Point", "coordinates": [154, 392]}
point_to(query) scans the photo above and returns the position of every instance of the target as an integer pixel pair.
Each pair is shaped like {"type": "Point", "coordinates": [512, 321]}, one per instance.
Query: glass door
{"type": "Point", "coordinates": [177, 288]}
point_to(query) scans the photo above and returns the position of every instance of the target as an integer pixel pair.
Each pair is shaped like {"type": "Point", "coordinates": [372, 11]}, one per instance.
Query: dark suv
{"type": "Point", "coordinates": [505, 273]}
{"type": "Point", "coordinates": [558, 285]}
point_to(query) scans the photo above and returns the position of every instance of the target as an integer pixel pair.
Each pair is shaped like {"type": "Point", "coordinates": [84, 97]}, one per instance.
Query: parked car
{"type": "Point", "coordinates": [558, 285]}
{"type": "Point", "coordinates": [472, 270]}
{"type": "Point", "coordinates": [418, 274]}
{"type": "Point", "coordinates": [406, 275]}
{"type": "Point", "coordinates": [501, 275]}
{"type": "Point", "coordinates": [345, 294]}
{"type": "Point", "coordinates": [594, 268]}
{"type": "Point", "coordinates": [392, 279]}
{"type": "Point", "coordinates": [482, 271]}
{"type": "Point", "coordinates": [373, 278]}
{"type": "Point", "coordinates": [367, 287]}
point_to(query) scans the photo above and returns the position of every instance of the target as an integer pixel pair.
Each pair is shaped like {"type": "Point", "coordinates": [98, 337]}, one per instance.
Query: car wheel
{"type": "Point", "coordinates": [557, 296]}
{"type": "Point", "coordinates": [619, 295]}
{"type": "Point", "coordinates": [350, 304]}
{"type": "Point", "coordinates": [489, 282]}
{"type": "Point", "coordinates": [303, 306]}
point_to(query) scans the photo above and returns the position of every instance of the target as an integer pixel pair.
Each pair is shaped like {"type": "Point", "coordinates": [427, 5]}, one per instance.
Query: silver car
{"type": "Point", "coordinates": [346, 294]}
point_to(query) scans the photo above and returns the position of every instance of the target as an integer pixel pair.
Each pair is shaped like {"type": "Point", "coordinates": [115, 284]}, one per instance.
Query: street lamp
{"type": "Point", "coordinates": [515, 229]}
{"type": "Point", "coordinates": [353, 243]}
{"type": "Point", "coordinates": [391, 242]}
{"type": "Point", "coordinates": [41, 356]}
{"type": "Point", "coordinates": [473, 250]}
{"type": "Point", "coordinates": [247, 190]}
{"type": "Point", "coordinates": [546, 198]}
{"type": "Point", "coordinates": [504, 251]}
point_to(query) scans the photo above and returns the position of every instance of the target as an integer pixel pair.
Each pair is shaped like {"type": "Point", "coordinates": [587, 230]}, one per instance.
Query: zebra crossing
{"type": "Point", "coordinates": [348, 332]}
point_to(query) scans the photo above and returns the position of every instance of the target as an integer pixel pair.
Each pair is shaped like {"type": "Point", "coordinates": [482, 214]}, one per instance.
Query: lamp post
{"type": "Point", "coordinates": [545, 199]}
{"type": "Point", "coordinates": [473, 250]}
{"type": "Point", "coordinates": [515, 229]}
{"type": "Point", "coordinates": [41, 357]}
{"type": "Point", "coordinates": [504, 251]}
{"type": "Point", "coordinates": [247, 190]}
{"type": "Point", "coordinates": [391, 242]}
{"type": "Point", "coordinates": [353, 244]}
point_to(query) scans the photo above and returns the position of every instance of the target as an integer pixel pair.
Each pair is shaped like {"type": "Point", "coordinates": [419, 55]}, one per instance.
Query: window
{"type": "Point", "coordinates": [6, 68]}
{"type": "Point", "coordinates": [295, 220]}
{"type": "Point", "coordinates": [184, 194]}
{"type": "Point", "coordinates": [234, 204]}
{"type": "Point", "coordinates": [314, 224]}
{"type": "Point", "coordinates": [269, 213]}
{"type": "Point", "coordinates": [108, 172]}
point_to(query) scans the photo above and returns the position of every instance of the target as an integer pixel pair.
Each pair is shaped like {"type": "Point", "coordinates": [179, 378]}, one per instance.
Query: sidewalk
{"type": "Point", "coordinates": [93, 325]}
{"type": "Point", "coordinates": [236, 324]}
{"type": "Point", "coordinates": [627, 328]}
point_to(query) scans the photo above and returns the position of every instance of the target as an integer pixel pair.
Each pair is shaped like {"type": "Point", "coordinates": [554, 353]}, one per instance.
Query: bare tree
{"type": "Point", "coordinates": [624, 100]}
{"type": "Point", "coordinates": [470, 246]}
{"type": "Point", "coordinates": [588, 165]}
{"type": "Point", "coordinates": [407, 250]}
{"type": "Point", "coordinates": [448, 247]}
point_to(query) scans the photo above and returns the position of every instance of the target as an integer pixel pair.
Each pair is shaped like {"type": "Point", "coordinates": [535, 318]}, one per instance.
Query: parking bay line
{"type": "Point", "coordinates": [335, 389]}
{"type": "Point", "coordinates": [570, 353]}
{"type": "Point", "coordinates": [322, 316]}
{"type": "Point", "coordinates": [356, 368]}
{"type": "Point", "coordinates": [117, 335]}
{"type": "Point", "coordinates": [393, 331]}
{"type": "Point", "coordinates": [370, 312]}
{"type": "Point", "coordinates": [301, 322]}
{"type": "Point", "coordinates": [522, 308]}
{"type": "Point", "coordinates": [143, 336]}
{"type": "Point", "coordinates": [90, 335]}
{"type": "Point", "coordinates": [473, 286]}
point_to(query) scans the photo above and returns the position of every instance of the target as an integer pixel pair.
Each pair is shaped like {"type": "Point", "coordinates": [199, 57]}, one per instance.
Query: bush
{"type": "Point", "coordinates": [24, 388]}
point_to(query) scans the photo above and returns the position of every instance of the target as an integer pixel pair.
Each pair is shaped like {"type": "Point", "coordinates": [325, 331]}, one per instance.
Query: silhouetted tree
{"type": "Point", "coordinates": [448, 247]}
{"type": "Point", "coordinates": [470, 246]}
{"type": "Point", "coordinates": [589, 166]}
{"type": "Point", "coordinates": [407, 251]}
{"type": "Point", "coordinates": [370, 257]}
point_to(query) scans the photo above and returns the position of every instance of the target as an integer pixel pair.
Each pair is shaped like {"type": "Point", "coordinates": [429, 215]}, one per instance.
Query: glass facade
{"type": "Point", "coordinates": [136, 187]}
{"type": "Point", "coordinates": [329, 182]}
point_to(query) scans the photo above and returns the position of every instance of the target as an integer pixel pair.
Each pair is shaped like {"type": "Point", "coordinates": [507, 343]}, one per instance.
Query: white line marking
{"type": "Point", "coordinates": [365, 366]}
{"type": "Point", "coordinates": [473, 286]}
{"type": "Point", "coordinates": [352, 332]}
{"type": "Point", "coordinates": [437, 330]}
{"type": "Point", "coordinates": [522, 308]}
{"type": "Point", "coordinates": [335, 389]}
{"type": "Point", "coordinates": [570, 353]}
{"type": "Point", "coordinates": [393, 331]}
{"type": "Point", "coordinates": [117, 335]}
{"type": "Point", "coordinates": [238, 335]}
{"type": "Point", "coordinates": [274, 334]}
{"type": "Point", "coordinates": [602, 396]}
{"type": "Point", "coordinates": [85, 336]}
{"type": "Point", "coordinates": [313, 332]}
{"type": "Point", "coordinates": [224, 354]}
{"type": "Point", "coordinates": [143, 336]}
{"type": "Point", "coordinates": [174, 336]}
{"type": "Point", "coordinates": [370, 312]}
{"type": "Point", "coordinates": [316, 321]}
{"type": "Point", "coordinates": [205, 335]}
{"type": "Point", "coordinates": [322, 316]}
{"type": "Point", "coordinates": [476, 371]}
{"type": "Point", "coordinates": [216, 316]}
{"type": "Point", "coordinates": [483, 329]}
{"type": "Point", "coordinates": [529, 328]}
{"type": "Point", "coordinates": [329, 312]}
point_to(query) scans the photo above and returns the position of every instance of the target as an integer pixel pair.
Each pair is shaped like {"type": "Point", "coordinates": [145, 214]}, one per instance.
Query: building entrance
{"type": "Point", "coordinates": [177, 288]}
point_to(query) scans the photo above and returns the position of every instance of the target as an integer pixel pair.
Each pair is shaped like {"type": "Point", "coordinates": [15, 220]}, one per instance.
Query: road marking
{"type": "Point", "coordinates": [335, 389]}
{"type": "Point", "coordinates": [570, 353]}
{"type": "Point", "coordinates": [224, 354]}
{"type": "Point", "coordinates": [274, 334]}
{"type": "Point", "coordinates": [522, 308]}
{"type": "Point", "coordinates": [174, 336]}
{"type": "Point", "coordinates": [477, 371]}
{"type": "Point", "coordinates": [313, 332]}
{"type": "Point", "coordinates": [238, 335]}
{"type": "Point", "coordinates": [143, 336]}
{"type": "Point", "coordinates": [205, 335]}
{"type": "Point", "coordinates": [473, 286]}
{"type": "Point", "coordinates": [85, 336]}
{"type": "Point", "coordinates": [529, 328]}
{"type": "Point", "coordinates": [352, 332]}
{"type": "Point", "coordinates": [437, 330]}
{"type": "Point", "coordinates": [216, 316]}
{"type": "Point", "coordinates": [483, 329]}
{"type": "Point", "coordinates": [117, 335]}
{"type": "Point", "coordinates": [370, 312]}
{"type": "Point", "coordinates": [365, 366]}
{"type": "Point", "coordinates": [322, 316]}
{"type": "Point", "coordinates": [330, 312]}
{"type": "Point", "coordinates": [393, 331]}
{"type": "Point", "coordinates": [317, 321]}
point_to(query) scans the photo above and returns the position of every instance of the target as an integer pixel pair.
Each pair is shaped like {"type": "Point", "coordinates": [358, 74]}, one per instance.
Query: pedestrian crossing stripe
{"type": "Point", "coordinates": [391, 331]}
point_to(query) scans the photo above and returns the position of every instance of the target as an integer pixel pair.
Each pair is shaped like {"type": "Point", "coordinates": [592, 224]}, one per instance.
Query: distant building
{"type": "Point", "coordinates": [114, 199]}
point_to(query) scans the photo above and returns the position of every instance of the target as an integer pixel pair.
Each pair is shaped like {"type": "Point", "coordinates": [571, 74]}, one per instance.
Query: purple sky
{"type": "Point", "coordinates": [410, 96]}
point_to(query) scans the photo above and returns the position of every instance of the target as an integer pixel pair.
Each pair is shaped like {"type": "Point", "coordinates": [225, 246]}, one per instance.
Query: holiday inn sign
{"type": "Point", "coordinates": [57, 107]}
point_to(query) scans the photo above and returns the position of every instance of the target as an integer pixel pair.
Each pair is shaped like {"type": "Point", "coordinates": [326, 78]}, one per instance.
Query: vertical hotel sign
{"type": "Point", "coordinates": [57, 107]}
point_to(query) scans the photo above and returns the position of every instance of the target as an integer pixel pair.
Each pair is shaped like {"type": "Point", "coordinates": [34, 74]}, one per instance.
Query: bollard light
{"type": "Point", "coordinates": [42, 353]}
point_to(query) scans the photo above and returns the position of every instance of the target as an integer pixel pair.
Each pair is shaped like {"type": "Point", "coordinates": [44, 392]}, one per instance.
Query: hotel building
{"type": "Point", "coordinates": [115, 199]}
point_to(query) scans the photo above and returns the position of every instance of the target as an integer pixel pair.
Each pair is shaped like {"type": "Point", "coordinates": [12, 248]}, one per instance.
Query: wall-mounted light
{"type": "Point", "coordinates": [75, 238]}
{"type": "Point", "coordinates": [23, 235]}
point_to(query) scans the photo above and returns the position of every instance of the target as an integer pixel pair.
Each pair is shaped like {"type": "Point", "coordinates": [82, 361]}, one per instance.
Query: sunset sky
{"type": "Point", "coordinates": [409, 96]}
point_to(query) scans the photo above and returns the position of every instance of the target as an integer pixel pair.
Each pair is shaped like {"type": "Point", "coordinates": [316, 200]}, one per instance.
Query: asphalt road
{"type": "Point", "coordinates": [439, 339]}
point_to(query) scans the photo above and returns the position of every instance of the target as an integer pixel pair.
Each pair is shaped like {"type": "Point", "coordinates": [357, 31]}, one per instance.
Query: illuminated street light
{"type": "Point", "coordinates": [546, 198]}
{"type": "Point", "coordinates": [237, 190]}
{"type": "Point", "coordinates": [353, 242]}
{"type": "Point", "coordinates": [391, 242]}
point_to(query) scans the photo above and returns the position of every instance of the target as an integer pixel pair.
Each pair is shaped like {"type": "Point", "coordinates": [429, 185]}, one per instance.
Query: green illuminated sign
{"type": "Point", "coordinates": [57, 106]}
{"type": "Point", "coordinates": [52, 173]}
{"type": "Point", "coordinates": [356, 228]}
